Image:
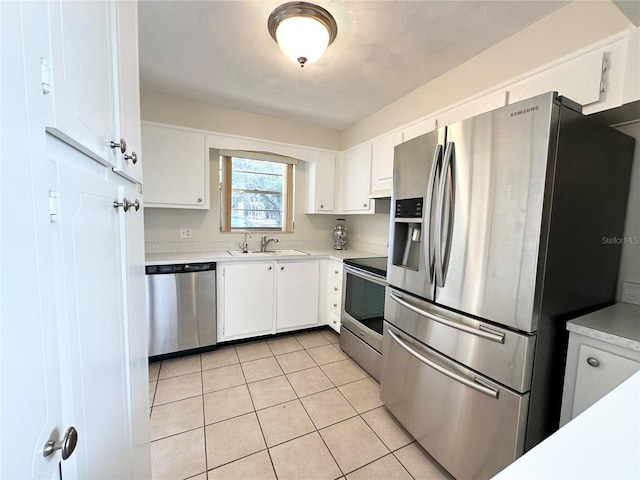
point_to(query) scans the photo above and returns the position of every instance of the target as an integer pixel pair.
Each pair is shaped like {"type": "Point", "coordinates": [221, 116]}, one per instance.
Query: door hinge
{"type": "Point", "coordinates": [605, 62]}
{"type": "Point", "coordinates": [603, 85]}
{"type": "Point", "coordinates": [54, 205]}
{"type": "Point", "coordinates": [45, 70]}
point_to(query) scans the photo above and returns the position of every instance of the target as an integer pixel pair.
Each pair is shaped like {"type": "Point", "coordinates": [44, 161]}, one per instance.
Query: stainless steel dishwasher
{"type": "Point", "coordinates": [181, 307]}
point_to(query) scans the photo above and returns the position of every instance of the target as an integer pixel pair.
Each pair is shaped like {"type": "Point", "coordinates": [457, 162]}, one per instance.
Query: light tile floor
{"type": "Point", "coordinates": [293, 407]}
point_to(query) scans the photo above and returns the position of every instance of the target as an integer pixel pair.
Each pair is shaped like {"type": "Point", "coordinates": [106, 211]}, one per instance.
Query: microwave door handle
{"type": "Point", "coordinates": [485, 333]}
{"type": "Point", "coordinates": [447, 165]}
{"type": "Point", "coordinates": [492, 392]}
{"type": "Point", "coordinates": [426, 225]}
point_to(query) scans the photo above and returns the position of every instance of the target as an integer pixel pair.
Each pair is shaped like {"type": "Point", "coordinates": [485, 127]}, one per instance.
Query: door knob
{"type": "Point", "coordinates": [133, 157]}
{"type": "Point", "coordinates": [122, 145]}
{"type": "Point", "coordinates": [135, 204]}
{"type": "Point", "coordinates": [66, 446]}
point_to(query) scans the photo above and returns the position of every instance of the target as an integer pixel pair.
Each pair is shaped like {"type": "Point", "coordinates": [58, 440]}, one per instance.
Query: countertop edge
{"type": "Point", "coordinates": [617, 324]}
{"type": "Point", "coordinates": [224, 256]}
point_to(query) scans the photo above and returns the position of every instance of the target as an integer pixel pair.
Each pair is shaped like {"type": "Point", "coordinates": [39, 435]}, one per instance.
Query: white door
{"type": "Point", "coordinates": [82, 63]}
{"type": "Point", "coordinates": [247, 299]}
{"type": "Point", "coordinates": [133, 291]}
{"type": "Point", "coordinates": [297, 294]}
{"type": "Point", "coordinates": [30, 409]}
{"type": "Point", "coordinates": [129, 164]}
{"type": "Point", "coordinates": [94, 372]}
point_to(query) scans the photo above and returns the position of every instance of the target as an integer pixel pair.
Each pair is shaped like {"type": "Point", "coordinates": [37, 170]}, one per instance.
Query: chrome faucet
{"type": "Point", "coordinates": [265, 242]}
{"type": "Point", "coordinates": [244, 245]}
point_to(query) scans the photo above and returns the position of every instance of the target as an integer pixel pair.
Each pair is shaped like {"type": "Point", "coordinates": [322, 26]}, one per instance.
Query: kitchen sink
{"type": "Point", "coordinates": [268, 253]}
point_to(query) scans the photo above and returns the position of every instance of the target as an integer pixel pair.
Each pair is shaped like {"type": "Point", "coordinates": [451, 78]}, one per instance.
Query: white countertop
{"type": "Point", "coordinates": [167, 258]}
{"type": "Point", "coordinates": [601, 443]}
{"type": "Point", "coordinates": [618, 324]}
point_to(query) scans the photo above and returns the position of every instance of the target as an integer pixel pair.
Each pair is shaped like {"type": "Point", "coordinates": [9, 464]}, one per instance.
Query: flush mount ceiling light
{"type": "Point", "coordinates": [302, 30]}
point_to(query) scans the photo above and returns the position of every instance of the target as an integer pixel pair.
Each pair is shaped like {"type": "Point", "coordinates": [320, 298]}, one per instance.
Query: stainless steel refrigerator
{"type": "Point", "coordinates": [498, 236]}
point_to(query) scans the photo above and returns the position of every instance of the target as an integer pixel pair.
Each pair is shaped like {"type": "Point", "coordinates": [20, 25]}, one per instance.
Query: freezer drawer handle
{"type": "Point", "coordinates": [453, 376]}
{"type": "Point", "coordinates": [483, 332]}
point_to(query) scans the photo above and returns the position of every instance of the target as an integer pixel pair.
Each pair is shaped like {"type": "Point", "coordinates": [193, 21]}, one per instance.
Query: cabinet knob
{"type": "Point", "coordinates": [334, 322]}
{"type": "Point", "coordinates": [133, 157]}
{"type": "Point", "coordinates": [335, 304]}
{"type": "Point", "coordinates": [66, 446]}
{"type": "Point", "coordinates": [593, 362]}
{"type": "Point", "coordinates": [336, 272]}
{"type": "Point", "coordinates": [122, 145]}
{"type": "Point", "coordinates": [321, 206]}
{"type": "Point", "coordinates": [364, 205]}
{"type": "Point", "coordinates": [335, 289]}
{"type": "Point", "coordinates": [269, 267]}
{"type": "Point", "coordinates": [199, 200]}
{"type": "Point", "coordinates": [282, 267]}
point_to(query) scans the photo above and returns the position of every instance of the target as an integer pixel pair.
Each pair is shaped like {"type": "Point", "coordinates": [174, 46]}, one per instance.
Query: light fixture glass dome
{"type": "Point", "coordinates": [302, 30]}
{"type": "Point", "coordinates": [302, 39]}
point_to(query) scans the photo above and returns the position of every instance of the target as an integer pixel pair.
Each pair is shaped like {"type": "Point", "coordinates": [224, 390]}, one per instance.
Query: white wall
{"type": "Point", "coordinates": [157, 107]}
{"type": "Point", "coordinates": [630, 262]}
{"type": "Point", "coordinates": [568, 30]}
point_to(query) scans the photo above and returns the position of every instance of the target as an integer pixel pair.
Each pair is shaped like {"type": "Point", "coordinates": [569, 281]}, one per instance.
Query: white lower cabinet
{"type": "Point", "coordinates": [261, 298]}
{"type": "Point", "coordinates": [245, 299]}
{"type": "Point", "coordinates": [600, 357]}
{"type": "Point", "coordinates": [297, 294]}
{"type": "Point", "coordinates": [335, 294]}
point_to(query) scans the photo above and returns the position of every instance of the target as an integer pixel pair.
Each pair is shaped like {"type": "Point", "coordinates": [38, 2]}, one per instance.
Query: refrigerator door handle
{"type": "Point", "coordinates": [429, 256]}
{"type": "Point", "coordinates": [482, 331]}
{"type": "Point", "coordinates": [442, 252]}
{"type": "Point", "coordinates": [492, 392]}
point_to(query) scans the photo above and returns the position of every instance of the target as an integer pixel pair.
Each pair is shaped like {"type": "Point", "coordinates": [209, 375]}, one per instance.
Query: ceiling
{"type": "Point", "coordinates": [220, 52]}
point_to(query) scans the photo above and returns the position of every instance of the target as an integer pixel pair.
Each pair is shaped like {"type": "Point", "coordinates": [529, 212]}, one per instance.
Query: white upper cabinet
{"type": "Point", "coordinates": [92, 81]}
{"type": "Point", "coordinates": [81, 76]}
{"type": "Point", "coordinates": [355, 175]}
{"type": "Point", "coordinates": [578, 79]}
{"type": "Point", "coordinates": [321, 185]}
{"type": "Point", "coordinates": [382, 164]}
{"type": "Point", "coordinates": [128, 164]}
{"type": "Point", "coordinates": [176, 167]}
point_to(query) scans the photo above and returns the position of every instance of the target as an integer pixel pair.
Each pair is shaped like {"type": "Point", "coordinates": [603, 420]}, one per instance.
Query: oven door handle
{"type": "Point", "coordinates": [492, 392]}
{"type": "Point", "coordinates": [367, 276]}
{"type": "Point", "coordinates": [486, 333]}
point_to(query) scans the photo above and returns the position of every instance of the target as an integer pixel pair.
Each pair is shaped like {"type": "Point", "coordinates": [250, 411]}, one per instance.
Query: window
{"type": "Point", "coordinates": [255, 193]}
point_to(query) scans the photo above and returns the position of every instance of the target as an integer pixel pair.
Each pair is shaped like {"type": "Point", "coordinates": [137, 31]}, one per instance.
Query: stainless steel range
{"type": "Point", "coordinates": [363, 299]}
{"type": "Point", "coordinates": [498, 237]}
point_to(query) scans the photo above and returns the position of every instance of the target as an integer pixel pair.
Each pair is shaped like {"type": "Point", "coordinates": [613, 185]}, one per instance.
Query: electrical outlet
{"type": "Point", "coordinates": [631, 292]}
{"type": "Point", "coordinates": [185, 233]}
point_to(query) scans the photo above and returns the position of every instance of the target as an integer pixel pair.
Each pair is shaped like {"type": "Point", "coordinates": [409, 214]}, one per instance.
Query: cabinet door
{"type": "Point", "coordinates": [176, 168]}
{"type": "Point", "coordinates": [578, 79]}
{"type": "Point", "coordinates": [382, 164]}
{"type": "Point", "coordinates": [82, 88]}
{"type": "Point", "coordinates": [355, 175]}
{"type": "Point", "coordinates": [94, 359]}
{"type": "Point", "coordinates": [247, 303]}
{"type": "Point", "coordinates": [133, 289]}
{"type": "Point", "coordinates": [599, 372]}
{"type": "Point", "coordinates": [321, 186]}
{"type": "Point", "coordinates": [128, 164]}
{"type": "Point", "coordinates": [297, 294]}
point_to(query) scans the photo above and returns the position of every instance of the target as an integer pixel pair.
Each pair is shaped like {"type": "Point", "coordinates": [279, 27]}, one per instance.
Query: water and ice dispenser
{"type": "Point", "coordinates": [407, 233]}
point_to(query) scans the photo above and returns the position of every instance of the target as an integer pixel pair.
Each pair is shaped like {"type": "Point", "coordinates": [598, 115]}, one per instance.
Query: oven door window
{"type": "Point", "coordinates": [364, 301]}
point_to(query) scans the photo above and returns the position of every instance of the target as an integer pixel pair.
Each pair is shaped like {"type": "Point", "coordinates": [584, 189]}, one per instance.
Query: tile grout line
{"type": "Point", "coordinates": [204, 421]}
